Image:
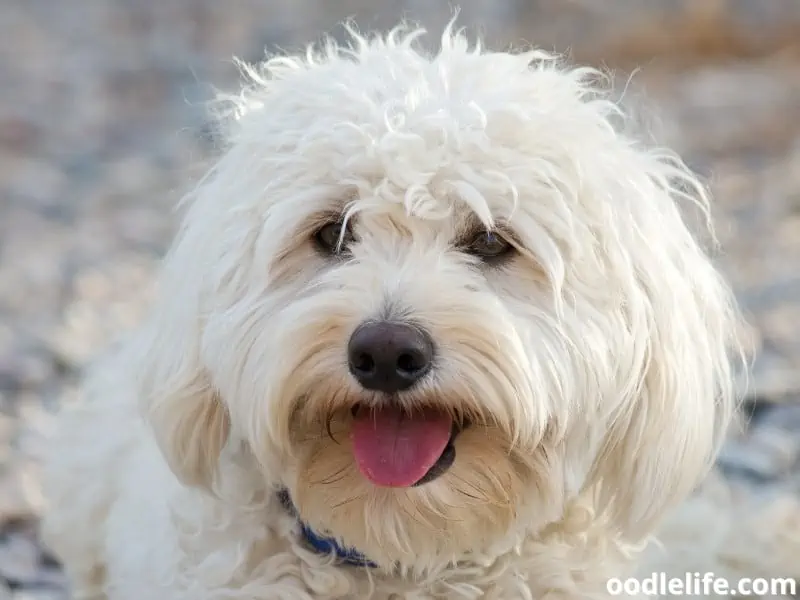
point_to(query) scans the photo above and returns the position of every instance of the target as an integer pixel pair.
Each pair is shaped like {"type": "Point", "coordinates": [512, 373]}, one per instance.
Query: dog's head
{"type": "Point", "coordinates": [437, 297]}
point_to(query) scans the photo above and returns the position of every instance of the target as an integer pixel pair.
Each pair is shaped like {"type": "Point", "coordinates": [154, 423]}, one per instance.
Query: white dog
{"type": "Point", "coordinates": [433, 327]}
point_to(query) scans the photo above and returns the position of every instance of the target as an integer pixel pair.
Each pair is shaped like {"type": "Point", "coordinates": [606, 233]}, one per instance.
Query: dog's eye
{"type": "Point", "coordinates": [332, 239]}
{"type": "Point", "coordinates": [488, 245]}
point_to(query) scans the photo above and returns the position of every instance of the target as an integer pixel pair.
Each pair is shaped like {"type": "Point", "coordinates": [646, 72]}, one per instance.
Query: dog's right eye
{"type": "Point", "coordinates": [331, 239]}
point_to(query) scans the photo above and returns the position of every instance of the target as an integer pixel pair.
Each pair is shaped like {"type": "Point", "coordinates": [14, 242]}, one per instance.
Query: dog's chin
{"type": "Point", "coordinates": [468, 499]}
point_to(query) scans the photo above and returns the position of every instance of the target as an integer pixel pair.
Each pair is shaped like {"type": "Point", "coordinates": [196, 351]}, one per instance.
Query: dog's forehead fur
{"type": "Point", "coordinates": [459, 133]}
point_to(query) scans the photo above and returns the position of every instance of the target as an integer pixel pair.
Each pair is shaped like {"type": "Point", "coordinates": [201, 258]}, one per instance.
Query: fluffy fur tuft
{"type": "Point", "coordinates": [591, 362]}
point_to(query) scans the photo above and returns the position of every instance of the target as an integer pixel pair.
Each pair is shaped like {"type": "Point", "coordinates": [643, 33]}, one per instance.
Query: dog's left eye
{"type": "Point", "coordinates": [488, 245]}
{"type": "Point", "coordinates": [332, 239]}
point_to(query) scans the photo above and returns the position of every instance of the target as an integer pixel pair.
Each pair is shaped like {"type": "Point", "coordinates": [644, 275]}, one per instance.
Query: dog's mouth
{"type": "Point", "coordinates": [394, 447]}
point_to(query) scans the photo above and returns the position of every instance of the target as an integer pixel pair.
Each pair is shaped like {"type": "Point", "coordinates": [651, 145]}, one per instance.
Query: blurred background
{"type": "Point", "coordinates": [102, 128]}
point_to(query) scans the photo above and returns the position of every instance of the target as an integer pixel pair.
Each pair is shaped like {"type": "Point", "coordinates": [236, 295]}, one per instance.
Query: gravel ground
{"type": "Point", "coordinates": [101, 128]}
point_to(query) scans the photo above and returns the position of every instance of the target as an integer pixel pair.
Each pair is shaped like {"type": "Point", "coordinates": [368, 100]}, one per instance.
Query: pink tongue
{"type": "Point", "coordinates": [394, 449]}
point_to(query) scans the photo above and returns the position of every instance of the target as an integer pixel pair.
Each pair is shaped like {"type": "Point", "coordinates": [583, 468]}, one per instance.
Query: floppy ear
{"type": "Point", "coordinates": [177, 399]}
{"type": "Point", "coordinates": [666, 432]}
{"type": "Point", "coordinates": [205, 265]}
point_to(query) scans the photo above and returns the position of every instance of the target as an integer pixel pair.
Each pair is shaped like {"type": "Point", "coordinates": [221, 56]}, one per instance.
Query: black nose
{"type": "Point", "coordinates": [389, 357]}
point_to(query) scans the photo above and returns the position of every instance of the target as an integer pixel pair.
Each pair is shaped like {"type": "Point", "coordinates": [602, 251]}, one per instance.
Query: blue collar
{"type": "Point", "coordinates": [324, 545]}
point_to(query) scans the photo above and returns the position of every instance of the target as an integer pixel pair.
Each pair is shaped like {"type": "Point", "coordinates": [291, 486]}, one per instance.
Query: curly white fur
{"type": "Point", "coordinates": [593, 364]}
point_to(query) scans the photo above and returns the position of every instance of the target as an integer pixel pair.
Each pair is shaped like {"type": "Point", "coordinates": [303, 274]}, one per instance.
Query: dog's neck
{"type": "Point", "coordinates": [323, 544]}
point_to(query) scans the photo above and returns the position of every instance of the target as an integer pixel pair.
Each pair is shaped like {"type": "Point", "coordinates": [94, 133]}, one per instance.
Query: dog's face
{"type": "Point", "coordinates": [437, 299]}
